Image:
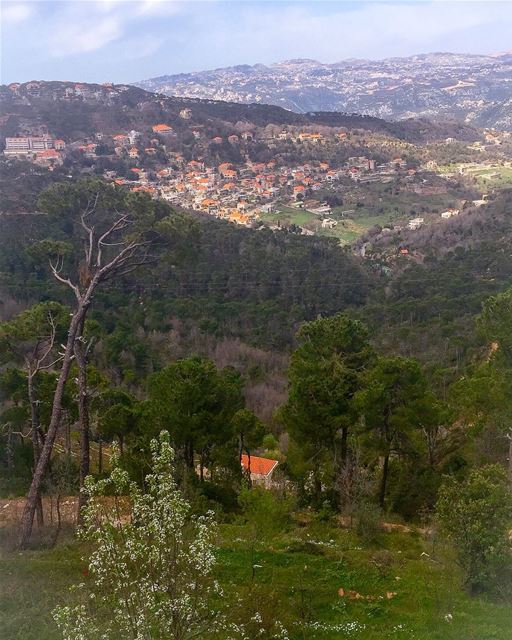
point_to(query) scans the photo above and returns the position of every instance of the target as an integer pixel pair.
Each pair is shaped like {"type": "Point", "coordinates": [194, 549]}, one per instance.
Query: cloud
{"type": "Point", "coordinates": [143, 47]}
{"type": "Point", "coordinates": [95, 39]}
{"type": "Point", "coordinates": [83, 38]}
{"type": "Point", "coordinates": [332, 31]}
{"type": "Point", "coordinates": [160, 8]}
{"type": "Point", "coordinates": [15, 12]}
{"type": "Point", "coordinates": [84, 26]}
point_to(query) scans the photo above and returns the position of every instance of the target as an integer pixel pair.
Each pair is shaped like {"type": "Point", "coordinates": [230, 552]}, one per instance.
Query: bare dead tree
{"type": "Point", "coordinates": [98, 266]}
{"type": "Point", "coordinates": [41, 359]}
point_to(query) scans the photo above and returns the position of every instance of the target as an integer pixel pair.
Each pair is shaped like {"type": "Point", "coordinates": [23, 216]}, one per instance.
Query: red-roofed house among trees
{"type": "Point", "coordinates": [260, 469]}
{"type": "Point", "coordinates": [162, 128]}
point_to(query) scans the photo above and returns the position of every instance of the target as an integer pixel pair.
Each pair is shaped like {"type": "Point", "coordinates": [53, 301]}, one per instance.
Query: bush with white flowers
{"type": "Point", "coordinates": [150, 569]}
{"type": "Point", "coordinates": [149, 573]}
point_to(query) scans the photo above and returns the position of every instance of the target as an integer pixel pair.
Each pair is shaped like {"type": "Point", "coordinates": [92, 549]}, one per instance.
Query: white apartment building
{"type": "Point", "coordinates": [27, 145]}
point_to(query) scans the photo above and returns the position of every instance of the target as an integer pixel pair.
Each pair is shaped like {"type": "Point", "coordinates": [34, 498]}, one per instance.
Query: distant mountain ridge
{"type": "Point", "coordinates": [474, 89]}
{"type": "Point", "coordinates": [73, 110]}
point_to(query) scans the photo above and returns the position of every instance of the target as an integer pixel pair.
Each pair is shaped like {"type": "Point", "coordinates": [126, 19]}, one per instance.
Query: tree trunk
{"type": "Point", "coordinates": [100, 456]}
{"type": "Point", "coordinates": [201, 467]}
{"type": "Point", "coordinates": [241, 447]}
{"type": "Point", "coordinates": [34, 422]}
{"type": "Point", "coordinates": [384, 481]}
{"type": "Point", "coordinates": [34, 492]}
{"type": "Point", "coordinates": [59, 523]}
{"type": "Point", "coordinates": [341, 468]}
{"type": "Point", "coordinates": [34, 416]}
{"type": "Point", "coordinates": [189, 455]}
{"type": "Point", "coordinates": [510, 456]}
{"type": "Point", "coordinates": [83, 419]}
{"type": "Point", "coordinates": [344, 445]}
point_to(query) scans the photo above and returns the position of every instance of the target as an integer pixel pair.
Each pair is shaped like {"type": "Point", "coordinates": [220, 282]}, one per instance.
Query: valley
{"type": "Point", "coordinates": [278, 346]}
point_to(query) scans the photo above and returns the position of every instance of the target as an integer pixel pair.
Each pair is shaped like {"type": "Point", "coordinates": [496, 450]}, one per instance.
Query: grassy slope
{"type": "Point", "coordinates": [298, 578]}
{"type": "Point", "coordinates": [393, 207]}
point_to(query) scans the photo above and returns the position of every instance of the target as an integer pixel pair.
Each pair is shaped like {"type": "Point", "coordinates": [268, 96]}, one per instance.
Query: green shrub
{"type": "Point", "coordinates": [224, 496]}
{"type": "Point", "coordinates": [476, 514]}
{"type": "Point", "coordinates": [267, 512]}
{"type": "Point", "coordinates": [368, 521]}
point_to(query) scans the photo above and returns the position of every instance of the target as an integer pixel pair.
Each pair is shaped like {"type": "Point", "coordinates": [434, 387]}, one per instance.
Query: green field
{"type": "Point", "coordinates": [494, 176]}
{"type": "Point", "coordinates": [347, 230]}
{"type": "Point", "coordinates": [487, 178]}
{"type": "Point", "coordinates": [287, 216]}
{"type": "Point", "coordinates": [300, 571]}
{"type": "Point", "coordinates": [373, 207]}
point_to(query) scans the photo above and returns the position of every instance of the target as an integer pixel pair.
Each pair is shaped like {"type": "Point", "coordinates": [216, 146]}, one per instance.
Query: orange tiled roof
{"type": "Point", "coordinates": [160, 128]}
{"type": "Point", "coordinates": [48, 153]}
{"type": "Point", "coordinates": [259, 466]}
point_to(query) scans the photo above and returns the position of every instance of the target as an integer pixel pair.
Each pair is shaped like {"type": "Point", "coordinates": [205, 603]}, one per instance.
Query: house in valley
{"type": "Point", "coordinates": [259, 469]}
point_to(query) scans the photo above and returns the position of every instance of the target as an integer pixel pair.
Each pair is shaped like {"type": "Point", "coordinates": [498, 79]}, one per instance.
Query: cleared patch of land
{"type": "Point", "coordinates": [296, 575]}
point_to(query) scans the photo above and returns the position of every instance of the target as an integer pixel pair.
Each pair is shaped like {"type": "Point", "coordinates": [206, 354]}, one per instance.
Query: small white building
{"type": "Point", "coordinates": [449, 213]}
{"type": "Point", "coordinates": [415, 223]}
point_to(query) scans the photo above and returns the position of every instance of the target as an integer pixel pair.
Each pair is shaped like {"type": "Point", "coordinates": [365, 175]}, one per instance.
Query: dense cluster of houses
{"type": "Point", "coordinates": [241, 193]}
{"type": "Point", "coordinates": [65, 90]}
{"type": "Point", "coordinates": [238, 193]}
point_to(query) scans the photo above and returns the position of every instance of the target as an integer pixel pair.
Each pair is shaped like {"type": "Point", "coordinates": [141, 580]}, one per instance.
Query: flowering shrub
{"type": "Point", "coordinates": [149, 575]}
{"type": "Point", "coordinates": [150, 571]}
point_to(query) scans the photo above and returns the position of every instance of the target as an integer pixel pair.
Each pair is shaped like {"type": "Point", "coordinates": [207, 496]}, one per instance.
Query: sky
{"type": "Point", "coordinates": [130, 40]}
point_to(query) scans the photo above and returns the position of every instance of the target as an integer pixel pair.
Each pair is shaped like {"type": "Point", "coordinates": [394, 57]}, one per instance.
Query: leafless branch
{"type": "Point", "coordinates": [90, 208]}
{"type": "Point", "coordinates": [122, 222]}
{"type": "Point", "coordinates": [56, 269]}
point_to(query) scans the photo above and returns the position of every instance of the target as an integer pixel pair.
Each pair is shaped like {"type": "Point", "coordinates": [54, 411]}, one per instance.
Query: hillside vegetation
{"type": "Point", "coordinates": [229, 430]}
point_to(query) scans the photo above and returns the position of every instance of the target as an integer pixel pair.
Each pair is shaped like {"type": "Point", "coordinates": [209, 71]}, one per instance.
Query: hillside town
{"type": "Point", "coordinates": [237, 192]}
{"type": "Point", "coordinates": [249, 174]}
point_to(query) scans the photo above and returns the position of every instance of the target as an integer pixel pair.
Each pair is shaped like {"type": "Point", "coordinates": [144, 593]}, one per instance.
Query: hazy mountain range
{"type": "Point", "coordinates": [475, 89]}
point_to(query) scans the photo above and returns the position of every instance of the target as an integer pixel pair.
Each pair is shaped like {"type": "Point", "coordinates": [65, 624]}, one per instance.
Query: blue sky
{"type": "Point", "coordinates": [128, 40]}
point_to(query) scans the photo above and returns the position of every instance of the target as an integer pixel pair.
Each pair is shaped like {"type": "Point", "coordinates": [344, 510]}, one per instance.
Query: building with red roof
{"type": "Point", "coordinates": [162, 128]}
{"type": "Point", "coordinates": [260, 469]}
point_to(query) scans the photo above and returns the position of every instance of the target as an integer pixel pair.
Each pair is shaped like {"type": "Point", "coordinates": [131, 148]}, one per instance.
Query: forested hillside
{"type": "Point", "coordinates": [313, 432]}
